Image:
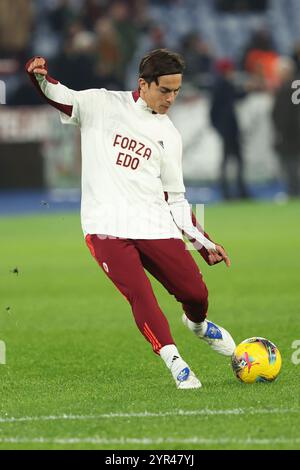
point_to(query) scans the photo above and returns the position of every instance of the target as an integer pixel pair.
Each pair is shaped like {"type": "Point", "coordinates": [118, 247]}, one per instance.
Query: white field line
{"type": "Point", "coordinates": [148, 441]}
{"type": "Point", "coordinates": [148, 414]}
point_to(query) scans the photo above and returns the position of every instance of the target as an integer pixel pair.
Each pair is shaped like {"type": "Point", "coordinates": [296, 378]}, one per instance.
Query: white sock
{"type": "Point", "coordinates": [172, 359]}
{"type": "Point", "coordinates": [198, 328]}
{"type": "Point", "coordinates": [169, 354]}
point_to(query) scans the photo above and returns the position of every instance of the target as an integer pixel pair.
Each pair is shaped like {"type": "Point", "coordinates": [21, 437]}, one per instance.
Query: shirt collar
{"type": "Point", "coordinates": [140, 102]}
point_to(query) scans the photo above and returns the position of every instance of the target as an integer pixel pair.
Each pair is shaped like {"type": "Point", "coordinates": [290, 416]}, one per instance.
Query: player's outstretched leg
{"type": "Point", "coordinates": [217, 337]}
{"type": "Point", "coordinates": [181, 372]}
{"type": "Point", "coordinates": [121, 262]}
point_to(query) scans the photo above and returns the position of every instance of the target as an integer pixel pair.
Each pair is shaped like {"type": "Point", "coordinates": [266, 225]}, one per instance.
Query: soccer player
{"type": "Point", "coordinates": [133, 207]}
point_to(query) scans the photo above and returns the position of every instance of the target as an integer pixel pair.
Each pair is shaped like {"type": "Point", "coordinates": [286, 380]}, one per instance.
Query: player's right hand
{"type": "Point", "coordinates": [215, 256]}
{"type": "Point", "coordinates": [218, 255]}
{"type": "Point", "coordinates": [37, 65]}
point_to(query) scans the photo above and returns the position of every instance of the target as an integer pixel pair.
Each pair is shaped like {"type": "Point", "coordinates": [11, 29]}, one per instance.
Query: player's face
{"type": "Point", "coordinates": [160, 97]}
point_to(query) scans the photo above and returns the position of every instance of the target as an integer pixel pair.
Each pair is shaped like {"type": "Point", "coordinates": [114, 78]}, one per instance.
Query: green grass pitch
{"type": "Point", "coordinates": [80, 376]}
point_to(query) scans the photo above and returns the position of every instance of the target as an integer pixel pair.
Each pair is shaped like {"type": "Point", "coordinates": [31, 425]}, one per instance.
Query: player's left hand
{"type": "Point", "coordinates": [37, 65]}
{"type": "Point", "coordinates": [217, 256]}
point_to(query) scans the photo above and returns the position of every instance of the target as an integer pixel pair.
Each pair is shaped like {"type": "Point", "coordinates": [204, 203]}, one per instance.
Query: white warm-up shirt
{"type": "Point", "coordinates": [131, 158]}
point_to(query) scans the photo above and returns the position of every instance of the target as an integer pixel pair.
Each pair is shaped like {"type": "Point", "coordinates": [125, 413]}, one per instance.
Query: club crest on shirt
{"type": "Point", "coordinates": [105, 267]}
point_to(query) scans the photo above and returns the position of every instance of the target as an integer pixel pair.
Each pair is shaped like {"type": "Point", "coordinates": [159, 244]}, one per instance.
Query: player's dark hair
{"type": "Point", "coordinates": [160, 62]}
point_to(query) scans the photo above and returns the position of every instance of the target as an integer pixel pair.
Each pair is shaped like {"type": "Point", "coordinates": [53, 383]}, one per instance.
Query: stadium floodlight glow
{"type": "Point", "coordinates": [2, 92]}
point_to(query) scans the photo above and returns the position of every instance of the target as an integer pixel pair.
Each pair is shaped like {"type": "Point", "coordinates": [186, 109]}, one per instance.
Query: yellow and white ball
{"type": "Point", "coordinates": [256, 360]}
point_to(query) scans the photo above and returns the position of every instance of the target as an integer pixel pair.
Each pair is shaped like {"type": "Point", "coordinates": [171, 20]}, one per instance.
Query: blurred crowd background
{"type": "Point", "coordinates": [236, 51]}
{"type": "Point", "coordinates": [99, 43]}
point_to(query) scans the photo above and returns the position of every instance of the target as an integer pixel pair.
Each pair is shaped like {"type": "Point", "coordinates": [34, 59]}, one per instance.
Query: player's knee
{"type": "Point", "coordinates": [197, 295]}
{"type": "Point", "coordinates": [139, 294]}
{"type": "Point", "coordinates": [197, 305]}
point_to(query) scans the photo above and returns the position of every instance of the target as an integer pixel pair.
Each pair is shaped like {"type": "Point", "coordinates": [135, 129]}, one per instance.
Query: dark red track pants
{"type": "Point", "coordinates": [124, 260]}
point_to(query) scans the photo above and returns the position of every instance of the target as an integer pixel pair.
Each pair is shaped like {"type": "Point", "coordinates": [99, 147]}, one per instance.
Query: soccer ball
{"type": "Point", "coordinates": [256, 360]}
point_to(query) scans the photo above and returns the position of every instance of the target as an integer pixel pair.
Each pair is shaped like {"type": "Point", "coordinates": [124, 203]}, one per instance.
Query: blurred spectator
{"type": "Point", "coordinates": [74, 66]}
{"type": "Point", "coordinates": [121, 14]}
{"type": "Point", "coordinates": [15, 27]}
{"type": "Point", "coordinates": [154, 38]}
{"type": "Point", "coordinates": [141, 15]}
{"type": "Point", "coordinates": [91, 11]}
{"type": "Point", "coordinates": [286, 119]}
{"type": "Point", "coordinates": [260, 57]}
{"type": "Point", "coordinates": [61, 16]}
{"type": "Point", "coordinates": [117, 39]}
{"type": "Point", "coordinates": [16, 21]}
{"type": "Point", "coordinates": [157, 38]}
{"type": "Point", "coordinates": [198, 57]}
{"type": "Point", "coordinates": [108, 56]}
{"type": "Point", "coordinates": [224, 120]}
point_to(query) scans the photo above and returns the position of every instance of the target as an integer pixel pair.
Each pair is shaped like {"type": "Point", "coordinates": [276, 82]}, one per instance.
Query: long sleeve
{"type": "Point", "coordinates": [75, 107]}
{"type": "Point", "coordinates": [57, 95]}
{"type": "Point", "coordinates": [183, 218]}
{"type": "Point", "coordinates": [60, 97]}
